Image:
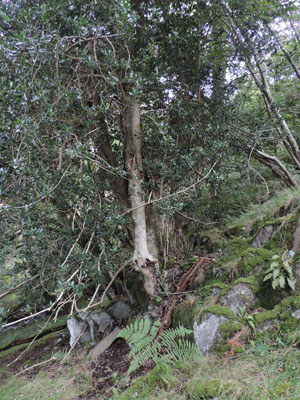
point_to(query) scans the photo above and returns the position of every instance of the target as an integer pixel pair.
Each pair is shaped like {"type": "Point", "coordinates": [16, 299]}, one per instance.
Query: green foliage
{"type": "Point", "coordinates": [247, 319]}
{"type": "Point", "coordinates": [168, 348]}
{"type": "Point", "coordinates": [281, 272]}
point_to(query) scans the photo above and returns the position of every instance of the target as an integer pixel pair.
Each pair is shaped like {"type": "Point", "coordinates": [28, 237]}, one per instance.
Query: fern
{"type": "Point", "coordinates": [140, 335]}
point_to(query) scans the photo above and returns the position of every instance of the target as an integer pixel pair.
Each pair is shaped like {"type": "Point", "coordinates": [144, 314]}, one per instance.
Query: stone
{"type": "Point", "coordinates": [296, 272]}
{"type": "Point", "coordinates": [104, 344]}
{"type": "Point", "coordinates": [266, 325]}
{"type": "Point", "coordinates": [98, 322]}
{"type": "Point", "coordinates": [296, 314]}
{"type": "Point", "coordinates": [240, 296]}
{"type": "Point", "coordinates": [120, 310]}
{"type": "Point", "coordinates": [263, 236]}
{"type": "Point", "coordinates": [78, 329]}
{"type": "Point", "coordinates": [208, 332]}
{"type": "Point", "coordinates": [102, 320]}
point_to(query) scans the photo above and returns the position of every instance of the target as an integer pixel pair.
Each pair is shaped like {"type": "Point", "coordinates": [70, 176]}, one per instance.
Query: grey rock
{"type": "Point", "coordinates": [98, 322]}
{"type": "Point", "coordinates": [78, 328]}
{"type": "Point", "coordinates": [296, 314]}
{"type": "Point", "coordinates": [215, 291]}
{"type": "Point", "coordinates": [266, 325]}
{"type": "Point", "coordinates": [208, 332]}
{"type": "Point", "coordinates": [291, 253]}
{"type": "Point", "coordinates": [120, 310]}
{"type": "Point", "coordinates": [103, 321]}
{"type": "Point", "coordinates": [264, 236]}
{"type": "Point", "coordinates": [240, 296]}
{"type": "Point", "coordinates": [296, 271]}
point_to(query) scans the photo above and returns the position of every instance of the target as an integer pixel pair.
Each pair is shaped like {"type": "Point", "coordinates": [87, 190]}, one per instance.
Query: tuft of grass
{"type": "Point", "coordinates": [281, 199]}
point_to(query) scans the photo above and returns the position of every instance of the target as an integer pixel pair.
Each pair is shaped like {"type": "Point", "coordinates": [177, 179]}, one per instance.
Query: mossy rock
{"type": "Point", "coordinates": [263, 316]}
{"type": "Point", "coordinates": [248, 280]}
{"type": "Point", "coordinates": [208, 389]}
{"type": "Point", "coordinates": [251, 259]}
{"type": "Point", "coordinates": [230, 327]}
{"type": "Point", "coordinates": [184, 315]}
{"type": "Point", "coordinates": [291, 302]}
{"type": "Point", "coordinates": [212, 289]}
{"type": "Point", "coordinates": [284, 233]}
{"type": "Point", "coordinates": [260, 223]}
{"type": "Point", "coordinates": [27, 332]}
{"type": "Point", "coordinates": [216, 309]}
{"type": "Point", "coordinates": [10, 303]}
{"type": "Point", "coordinates": [236, 247]}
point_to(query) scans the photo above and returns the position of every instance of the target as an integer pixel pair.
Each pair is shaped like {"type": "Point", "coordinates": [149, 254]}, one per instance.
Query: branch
{"type": "Point", "coordinates": [110, 283]}
{"type": "Point", "coordinates": [175, 193]}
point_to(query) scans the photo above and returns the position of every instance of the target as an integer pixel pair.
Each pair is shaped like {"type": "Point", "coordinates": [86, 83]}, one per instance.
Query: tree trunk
{"type": "Point", "coordinates": [144, 260]}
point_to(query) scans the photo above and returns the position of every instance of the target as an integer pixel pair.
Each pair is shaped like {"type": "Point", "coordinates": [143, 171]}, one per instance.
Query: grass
{"type": "Point", "coordinates": [281, 198]}
{"type": "Point", "coordinates": [266, 371]}
{"type": "Point", "coordinates": [42, 387]}
{"type": "Point", "coordinates": [55, 381]}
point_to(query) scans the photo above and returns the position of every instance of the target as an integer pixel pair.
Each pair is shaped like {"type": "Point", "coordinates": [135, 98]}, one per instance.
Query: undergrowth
{"type": "Point", "coordinates": [170, 347]}
{"type": "Point", "coordinates": [280, 199]}
{"type": "Point", "coordinates": [268, 370]}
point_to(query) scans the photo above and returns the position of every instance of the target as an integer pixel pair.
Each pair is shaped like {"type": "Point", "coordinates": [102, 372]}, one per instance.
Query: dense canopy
{"type": "Point", "coordinates": [129, 126]}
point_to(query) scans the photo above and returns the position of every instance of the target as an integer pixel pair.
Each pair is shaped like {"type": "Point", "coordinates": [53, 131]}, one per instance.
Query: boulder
{"type": "Point", "coordinates": [264, 235]}
{"type": "Point", "coordinates": [78, 329]}
{"type": "Point", "coordinates": [120, 310]}
{"type": "Point", "coordinates": [208, 332]}
{"type": "Point", "coordinates": [103, 321]}
{"type": "Point", "coordinates": [241, 296]}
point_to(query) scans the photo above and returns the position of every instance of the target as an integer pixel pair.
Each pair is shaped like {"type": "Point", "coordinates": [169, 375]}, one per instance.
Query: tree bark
{"type": "Point", "coordinates": [144, 260]}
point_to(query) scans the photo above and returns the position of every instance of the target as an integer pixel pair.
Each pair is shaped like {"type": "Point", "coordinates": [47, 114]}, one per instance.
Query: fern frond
{"type": "Point", "coordinates": [169, 336]}
{"type": "Point", "coordinates": [140, 335]}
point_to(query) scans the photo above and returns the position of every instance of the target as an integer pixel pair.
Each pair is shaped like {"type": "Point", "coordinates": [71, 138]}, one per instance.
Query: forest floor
{"type": "Point", "coordinates": [44, 371]}
{"type": "Point", "coordinates": [269, 369]}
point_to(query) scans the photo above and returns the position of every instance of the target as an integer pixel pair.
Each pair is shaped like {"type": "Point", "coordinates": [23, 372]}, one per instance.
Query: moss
{"type": "Point", "coordinates": [258, 224]}
{"type": "Point", "coordinates": [139, 387]}
{"type": "Point", "coordinates": [217, 310]}
{"type": "Point", "coordinates": [238, 230]}
{"type": "Point", "coordinates": [239, 350]}
{"type": "Point", "coordinates": [159, 376]}
{"type": "Point", "coordinates": [249, 280]}
{"type": "Point", "coordinates": [207, 289]}
{"type": "Point", "coordinates": [207, 389]}
{"type": "Point", "coordinates": [230, 327]}
{"type": "Point", "coordinates": [29, 331]}
{"type": "Point", "coordinates": [289, 325]}
{"type": "Point", "coordinates": [284, 232]}
{"type": "Point", "coordinates": [261, 317]}
{"type": "Point", "coordinates": [236, 247]}
{"type": "Point", "coordinates": [252, 258]}
{"type": "Point", "coordinates": [184, 315]}
{"type": "Point", "coordinates": [291, 301]}
{"type": "Point", "coordinates": [37, 342]}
